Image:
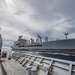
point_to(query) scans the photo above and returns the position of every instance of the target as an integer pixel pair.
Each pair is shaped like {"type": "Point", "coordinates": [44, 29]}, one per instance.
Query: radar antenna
{"type": "Point", "coordinates": [66, 35]}
{"type": "Point", "coordinates": [20, 37]}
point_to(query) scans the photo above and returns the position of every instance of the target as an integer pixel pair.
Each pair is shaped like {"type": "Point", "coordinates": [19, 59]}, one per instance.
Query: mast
{"type": "Point", "coordinates": [0, 42]}
{"type": "Point", "coordinates": [66, 35]}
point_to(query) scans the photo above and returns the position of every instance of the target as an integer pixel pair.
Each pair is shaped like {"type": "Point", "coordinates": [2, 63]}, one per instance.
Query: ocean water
{"type": "Point", "coordinates": [57, 56]}
{"type": "Point", "coordinates": [7, 45]}
{"type": "Point", "coordinates": [6, 48]}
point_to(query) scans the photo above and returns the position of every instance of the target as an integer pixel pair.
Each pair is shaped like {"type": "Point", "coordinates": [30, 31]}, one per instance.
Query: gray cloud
{"type": "Point", "coordinates": [31, 17]}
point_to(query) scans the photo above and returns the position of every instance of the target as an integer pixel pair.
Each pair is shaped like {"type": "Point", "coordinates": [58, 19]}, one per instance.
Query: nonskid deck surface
{"type": "Point", "coordinates": [11, 67]}
{"type": "Point", "coordinates": [45, 65]}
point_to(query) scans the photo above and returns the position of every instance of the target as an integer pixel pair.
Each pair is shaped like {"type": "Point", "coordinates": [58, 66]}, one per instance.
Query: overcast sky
{"type": "Point", "coordinates": [50, 18]}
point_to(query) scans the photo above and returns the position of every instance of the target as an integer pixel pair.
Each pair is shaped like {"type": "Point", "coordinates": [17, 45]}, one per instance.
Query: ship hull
{"type": "Point", "coordinates": [59, 46]}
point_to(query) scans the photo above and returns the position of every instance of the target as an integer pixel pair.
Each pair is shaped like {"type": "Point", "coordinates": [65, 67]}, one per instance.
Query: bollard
{"type": "Point", "coordinates": [33, 71]}
{"type": "Point", "coordinates": [29, 70]}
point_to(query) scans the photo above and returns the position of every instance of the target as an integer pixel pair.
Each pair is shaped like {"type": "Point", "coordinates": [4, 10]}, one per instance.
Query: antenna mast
{"type": "Point", "coordinates": [66, 35]}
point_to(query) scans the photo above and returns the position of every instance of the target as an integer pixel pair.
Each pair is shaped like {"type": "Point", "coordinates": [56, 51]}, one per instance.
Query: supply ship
{"type": "Point", "coordinates": [64, 46]}
{"type": "Point", "coordinates": [23, 62]}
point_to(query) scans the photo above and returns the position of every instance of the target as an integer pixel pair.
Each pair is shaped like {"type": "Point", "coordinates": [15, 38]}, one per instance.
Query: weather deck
{"type": "Point", "coordinates": [46, 65]}
{"type": "Point", "coordinates": [13, 68]}
{"type": "Point", "coordinates": [20, 63]}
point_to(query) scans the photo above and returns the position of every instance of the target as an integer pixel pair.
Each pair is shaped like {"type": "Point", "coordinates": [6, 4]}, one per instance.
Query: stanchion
{"type": "Point", "coordinates": [29, 70]}
{"type": "Point", "coordinates": [33, 71]}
